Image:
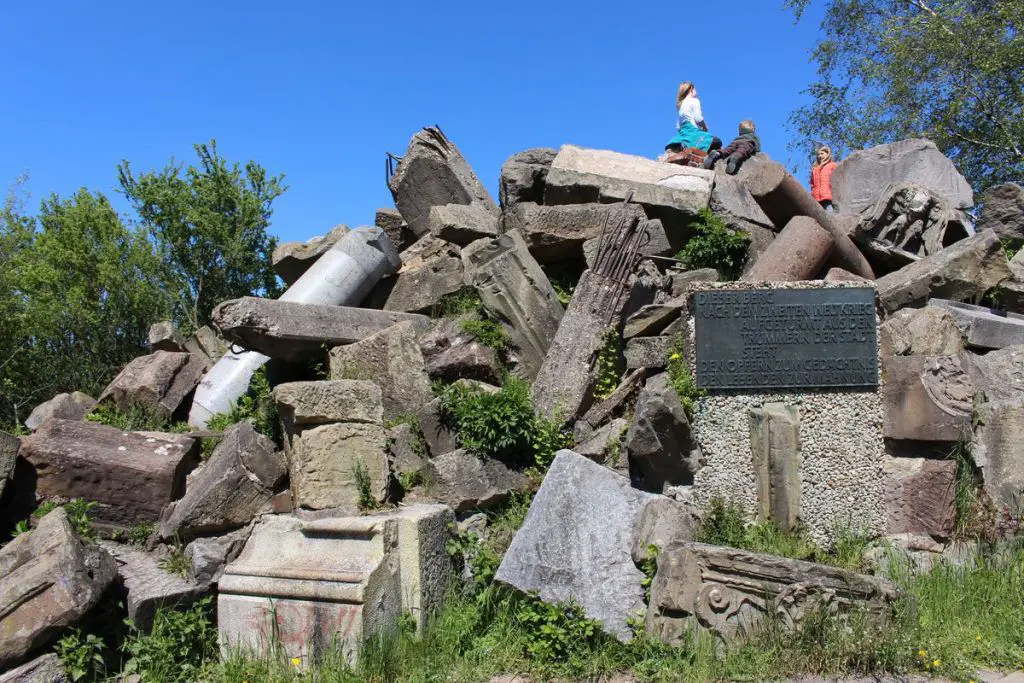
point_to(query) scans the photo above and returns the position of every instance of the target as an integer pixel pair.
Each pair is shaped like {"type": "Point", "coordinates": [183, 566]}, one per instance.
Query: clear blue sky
{"type": "Point", "coordinates": [320, 90]}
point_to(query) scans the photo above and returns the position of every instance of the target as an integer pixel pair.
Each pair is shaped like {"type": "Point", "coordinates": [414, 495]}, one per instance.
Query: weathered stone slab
{"type": "Point", "coordinates": [663, 523]}
{"type": "Point", "coordinates": [462, 223]}
{"type": "Point", "coordinates": [407, 452]}
{"type": "Point", "coordinates": [984, 328]}
{"type": "Point", "coordinates": [604, 446]}
{"type": "Point", "coordinates": [1003, 211]}
{"type": "Point", "coordinates": [729, 591]}
{"type": "Point", "coordinates": [926, 398]}
{"type": "Point", "coordinates": [206, 344]}
{"type": "Point", "coordinates": [647, 352]}
{"type": "Point", "coordinates": [159, 383]}
{"type": "Point", "coordinates": [659, 442]}
{"type": "Point", "coordinates": [514, 288]}
{"type": "Point", "coordinates": [863, 175]}
{"type": "Point", "coordinates": [732, 201]}
{"type": "Point", "coordinates": [395, 227]}
{"type": "Point", "coordinates": [997, 375]}
{"type": "Point", "coordinates": [73, 406]}
{"type": "Point", "coordinates": [229, 489]}
{"type": "Point", "coordinates": [292, 331]}
{"type": "Point", "coordinates": [652, 319]}
{"type": "Point", "coordinates": [961, 272]}
{"type": "Point", "coordinates": [798, 253]}
{"type": "Point", "coordinates": [656, 243]}
{"type": "Point", "coordinates": [209, 555]}
{"type": "Point", "coordinates": [49, 579]}
{"type": "Point", "coordinates": [439, 436]}
{"type": "Point", "coordinates": [928, 331]}
{"type": "Point", "coordinates": [681, 281]}
{"type": "Point", "coordinates": [148, 586]}
{"type": "Point", "coordinates": [998, 450]}
{"type": "Point", "coordinates": [775, 445]}
{"type": "Point", "coordinates": [45, 669]}
{"type": "Point", "coordinates": [577, 540]}
{"type": "Point", "coordinates": [393, 360]}
{"type": "Point", "coordinates": [467, 482]}
{"type": "Point", "coordinates": [9, 445]}
{"type": "Point", "coordinates": [920, 496]}
{"type": "Point", "coordinates": [841, 275]}
{"type": "Point", "coordinates": [522, 176]}
{"type": "Point", "coordinates": [292, 259]}
{"type": "Point", "coordinates": [615, 404]}
{"type": "Point", "coordinates": [321, 402]}
{"type": "Point", "coordinates": [132, 475]}
{"type": "Point", "coordinates": [557, 233]}
{"type": "Point", "coordinates": [431, 269]}
{"type": "Point", "coordinates": [324, 460]}
{"type": "Point", "coordinates": [164, 336]}
{"type": "Point", "coordinates": [434, 173]}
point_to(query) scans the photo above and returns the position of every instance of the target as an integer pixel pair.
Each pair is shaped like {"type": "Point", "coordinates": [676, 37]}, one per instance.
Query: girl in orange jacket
{"type": "Point", "coordinates": [821, 178]}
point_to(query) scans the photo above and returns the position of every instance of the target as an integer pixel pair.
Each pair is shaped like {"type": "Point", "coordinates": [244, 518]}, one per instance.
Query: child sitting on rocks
{"type": "Point", "coordinates": [739, 150]}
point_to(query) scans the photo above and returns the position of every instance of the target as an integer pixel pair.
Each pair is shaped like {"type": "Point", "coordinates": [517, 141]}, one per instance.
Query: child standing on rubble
{"type": "Point", "coordinates": [746, 145]}
{"type": "Point", "coordinates": [821, 178]}
{"type": "Point", "coordinates": [691, 130]}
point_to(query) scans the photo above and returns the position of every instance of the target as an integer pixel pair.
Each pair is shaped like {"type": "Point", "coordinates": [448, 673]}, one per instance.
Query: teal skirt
{"type": "Point", "coordinates": [690, 135]}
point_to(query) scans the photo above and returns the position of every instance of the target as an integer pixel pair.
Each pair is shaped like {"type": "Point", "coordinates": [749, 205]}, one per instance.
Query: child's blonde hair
{"type": "Point", "coordinates": [747, 125]}
{"type": "Point", "coordinates": [684, 89]}
{"type": "Point", "coordinates": [828, 155]}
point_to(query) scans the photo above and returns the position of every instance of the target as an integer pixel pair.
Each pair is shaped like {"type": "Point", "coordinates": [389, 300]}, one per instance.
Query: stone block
{"type": "Point", "coordinates": [657, 242]}
{"type": "Point", "coordinates": [617, 403]}
{"type": "Point", "coordinates": [604, 446]}
{"type": "Point", "coordinates": [647, 352]}
{"type": "Point", "coordinates": [465, 481]}
{"type": "Point", "coordinates": [659, 443]}
{"type": "Point", "coordinates": [928, 331]}
{"type": "Point", "coordinates": [984, 328]}
{"type": "Point", "coordinates": [132, 475]}
{"type": "Point", "coordinates": [49, 579]}
{"type": "Point", "coordinates": [292, 259]}
{"type": "Point", "coordinates": [9, 445]}
{"type": "Point", "coordinates": [391, 358]}
{"type": "Point", "coordinates": [680, 281]}
{"type": "Point", "coordinates": [73, 406]}
{"type": "Point", "coordinates": [206, 344]}
{"type": "Point", "coordinates": [522, 176]}
{"type": "Point", "coordinates": [798, 253]}
{"type": "Point", "coordinates": [557, 233]}
{"type": "Point", "coordinates": [842, 275]}
{"type": "Point", "coordinates": [437, 433]}
{"type": "Point", "coordinates": [732, 201]}
{"type": "Point", "coordinates": [431, 269]}
{"type": "Point", "coordinates": [664, 523]}
{"type": "Point", "coordinates": [926, 398]}
{"type": "Point", "coordinates": [998, 450]}
{"type": "Point", "coordinates": [148, 586]}
{"type": "Point", "coordinates": [423, 534]}
{"type": "Point", "coordinates": [44, 669]}
{"type": "Point", "coordinates": [452, 353]}
{"type": "Point", "coordinates": [730, 592]}
{"type": "Point", "coordinates": [325, 401]}
{"type": "Point", "coordinates": [290, 330]}
{"type": "Point", "coordinates": [920, 496]}
{"type": "Point", "coordinates": [576, 543]}
{"type": "Point", "coordinates": [407, 451]}
{"type": "Point", "coordinates": [775, 445]}
{"type": "Point", "coordinates": [324, 459]}
{"type": "Point", "coordinates": [158, 383]}
{"type": "Point", "coordinates": [1003, 211]}
{"type": "Point", "coordinates": [997, 375]}
{"type": "Point", "coordinates": [395, 227]}
{"type": "Point", "coordinates": [209, 555]}
{"type": "Point", "coordinates": [652, 319]}
{"type": "Point", "coordinates": [513, 287]}
{"type": "Point", "coordinates": [462, 223]}
{"type": "Point", "coordinates": [961, 272]}
{"type": "Point", "coordinates": [230, 488]}
{"type": "Point", "coordinates": [164, 336]}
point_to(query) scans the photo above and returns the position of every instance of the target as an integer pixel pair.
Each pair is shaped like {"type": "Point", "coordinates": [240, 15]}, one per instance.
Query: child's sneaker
{"type": "Point", "coordinates": [733, 165]}
{"type": "Point", "coordinates": [709, 162]}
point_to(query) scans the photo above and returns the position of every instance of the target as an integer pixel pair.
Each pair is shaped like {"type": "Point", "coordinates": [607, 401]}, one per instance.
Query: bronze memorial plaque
{"type": "Point", "coordinates": [785, 338]}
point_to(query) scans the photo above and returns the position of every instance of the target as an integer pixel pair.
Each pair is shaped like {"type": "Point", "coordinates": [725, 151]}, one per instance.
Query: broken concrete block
{"type": "Point", "coordinates": [656, 243]}
{"type": "Point", "coordinates": [51, 579]}
{"type": "Point", "coordinates": [863, 175]}
{"type": "Point", "coordinates": [326, 401]}
{"type": "Point", "coordinates": [44, 669]}
{"type": "Point", "coordinates": [132, 475]}
{"type": "Point", "coordinates": [513, 287]}
{"type": "Point", "coordinates": [395, 227]}
{"type": "Point", "coordinates": [998, 450]}
{"type": "Point", "coordinates": [997, 375]}
{"type": "Point", "coordinates": [961, 272]}
{"type": "Point", "coordinates": [647, 352]}
{"type": "Point", "coordinates": [434, 173]}
{"type": "Point", "coordinates": [148, 586]}
{"type": "Point", "coordinates": [983, 328]}
{"type": "Point", "coordinates": [209, 555]}
{"type": "Point", "coordinates": [294, 331]}
{"type": "Point", "coordinates": [431, 269]}
{"type": "Point", "coordinates": [465, 481]}
{"type": "Point", "coordinates": [920, 496]}
{"type": "Point", "coordinates": [926, 398]}
{"type": "Point", "coordinates": [164, 336]}
{"type": "Point", "coordinates": [928, 331]}
{"type": "Point", "coordinates": [438, 434]}
{"type": "Point", "coordinates": [206, 344]}
{"type": "Point", "coordinates": [664, 523]}
{"type": "Point", "coordinates": [652, 319]}
{"type": "Point", "coordinates": [158, 383]}
{"type": "Point", "coordinates": [292, 259]}
{"type": "Point", "coordinates": [522, 176]}
{"type": "Point", "coordinates": [407, 452]}
{"type": "Point", "coordinates": [393, 360]}
{"type": "Point", "coordinates": [73, 406]}
{"type": "Point", "coordinates": [841, 275]}
{"type": "Point", "coordinates": [1003, 211]}
{"type": "Point", "coordinates": [324, 461]}
{"type": "Point", "coordinates": [729, 592]}
{"type": "Point", "coordinates": [659, 443]}
{"type": "Point", "coordinates": [798, 253]}
{"type": "Point", "coordinates": [576, 543]}
{"type": "Point", "coordinates": [462, 223]}
{"type": "Point", "coordinates": [775, 445]}
{"type": "Point", "coordinates": [229, 489]}
{"type": "Point", "coordinates": [557, 233]}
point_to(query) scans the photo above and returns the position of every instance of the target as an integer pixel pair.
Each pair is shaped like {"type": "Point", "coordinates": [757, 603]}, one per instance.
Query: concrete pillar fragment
{"type": "Point", "coordinates": [798, 253]}
{"type": "Point", "coordinates": [775, 446]}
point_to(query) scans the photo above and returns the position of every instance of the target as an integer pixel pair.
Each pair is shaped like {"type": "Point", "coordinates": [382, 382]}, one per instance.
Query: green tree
{"type": "Point", "coordinates": [209, 223]}
{"type": "Point", "coordinates": [949, 70]}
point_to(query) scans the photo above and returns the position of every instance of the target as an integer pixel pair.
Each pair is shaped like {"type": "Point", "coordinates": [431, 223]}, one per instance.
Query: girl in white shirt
{"type": "Point", "coordinates": [691, 130]}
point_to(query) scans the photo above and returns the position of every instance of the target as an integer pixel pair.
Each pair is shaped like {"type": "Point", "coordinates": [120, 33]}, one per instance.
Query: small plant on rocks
{"type": "Point", "coordinates": [364, 485]}
{"type": "Point", "coordinates": [681, 377]}
{"type": "Point", "coordinates": [82, 655]}
{"type": "Point", "coordinates": [607, 366]}
{"type": "Point", "coordinates": [716, 246]}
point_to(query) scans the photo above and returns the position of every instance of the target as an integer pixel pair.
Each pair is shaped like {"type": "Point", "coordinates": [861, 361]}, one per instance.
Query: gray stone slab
{"type": "Point", "coordinates": [465, 481]}
{"type": "Point", "coordinates": [45, 669]}
{"type": "Point", "coordinates": [647, 352]}
{"type": "Point", "coordinates": [926, 398]}
{"type": "Point", "coordinates": [73, 406]}
{"type": "Point", "coordinates": [462, 223]}
{"type": "Point", "coordinates": [149, 587]}
{"type": "Point", "coordinates": [320, 402]}
{"type": "Point", "coordinates": [998, 450]}
{"type": "Point", "coordinates": [983, 328]}
{"type": "Point", "coordinates": [557, 233]}
{"type": "Point", "coordinates": [522, 176]}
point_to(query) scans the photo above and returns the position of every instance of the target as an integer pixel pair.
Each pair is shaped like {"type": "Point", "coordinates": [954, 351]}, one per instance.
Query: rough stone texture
{"type": "Point", "coordinates": [440, 439]}
{"type": "Point", "coordinates": [961, 272]}
{"type": "Point", "coordinates": [73, 406]}
{"type": "Point", "coordinates": [393, 360]}
{"type": "Point", "coordinates": [44, 669]}
{"type": "Point", "coordinates": [513, 287]}
{"type": "Point", "coordinates": [522, 176]}
{"type": "Point", "coordinates": [462, 223]}
{"type": "Point", "coordinates": [1017, 268]}
{"type": "Point", "coordinates": [294, 331]}
{"type": "Point", "coordinates": [663, 523]}
{"type": "Point", "coordinates": [920, 496]}
{"type": "Point", "coordinates": [206, 344]}
{"type": "Point", "coordinates": [557, 233]}
{"type": "Point", "coordinates": [49, 578]}
{"type": "Point", "coordinates": [158, 383]}
{"type": "Point", "coordinates": [604, 446]}
{"type": "Point", "coordinates": [467, 482]}
{"type": "Point", "coordinates": [577, 540]}
{"type": "Point", "coordinates": [647, 352]}
{"type": "Point", "coordinates": [732, 201]}
{"type": "Point", "coordinates": [861, 177]}
{"type": "Point", "coordinates": [229, 489]}
{"type": "Point", "coordinates": [321, 402]}
{"type": "Point", "coordinates": [680, 281]}
{"type": "Point", "coordinates": [674, 194]}
{"type": "Point", "coordinates": [9, 445]}
{"type": "Point", "coordinates": [984, 328]}
{"type": "Point", "coordinates": [407, 450]}
{"type": "Point", "coordinates": [323, 462]}
{"type": "Point", "coordinates": [1003, 211]}
{"type": "Point", "coordinates": [617, 404]}
{"type": "Point", "coordinates": [148, 586]}
{"type": "Point", "coordinates": [452, 353]}
{"type": "Point", "coordinates": [132, 475]}
{"type": "Point", "coordinates": [164, 336]}
{"type": "Point", "coordinates": [656, 243]}
{"type": "Point", "coordinates": [841, 275]}
{"type": "Point", "coordinates": [209, 555]}
{"type": "Point", "coordinates": [654, 318]}
{"type": "Point", "coordinates": [998, 450]}
{"type": "Point", "coordinates": [292, 259]}
{"type": "Point", "coordinates": [998, 375]}
{"type": "Point", "coordinates": [928, 331]}
{"type": "Point", "coordinates": [431, 268]}
{"type": "Point", "coordinates": [798, 253]}
{"type": "Point", "coordinates": [729, 592]}
{"type": "Point", "coordinates": [926, 398]}
{"type": "Point", "coordinates": [395, 227]}
{"type": "Point", "coordinates": [775, 446]}
{"type": "Point", "coordinates": [434, 173]}
{"type": "Point", "coordinates": [659, 442]}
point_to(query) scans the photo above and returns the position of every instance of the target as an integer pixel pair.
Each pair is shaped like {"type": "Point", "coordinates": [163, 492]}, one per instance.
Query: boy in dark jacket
{"type": "Point", "coordinates": [739, 150]}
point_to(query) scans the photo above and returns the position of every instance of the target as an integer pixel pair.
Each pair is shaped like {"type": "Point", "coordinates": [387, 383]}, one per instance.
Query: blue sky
{"type": "Point", "coordinates": [320, 91]}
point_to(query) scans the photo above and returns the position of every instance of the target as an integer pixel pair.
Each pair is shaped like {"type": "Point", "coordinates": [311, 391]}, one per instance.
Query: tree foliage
{"type": "Point", "coordinates": [948, 70]}
{"type": "Point", "coordinates": [209, 223]}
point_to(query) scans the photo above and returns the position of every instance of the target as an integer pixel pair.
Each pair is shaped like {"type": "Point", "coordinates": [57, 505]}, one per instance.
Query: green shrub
{"type": "Point", "coordinates": [465, 300]}
{"type": "Point", "coordinates": [364, 485]}
{"type": "Point", "coordinates": [256, 405]}
{"type": "Point", "coordinates": [487, 332]}
{"type": "Point", "coordinates": [80, 516]}
{"type": "Point", "coordinates": [555, 632]}
{"type": "Point", "coordinates": [724, 523]}
{"type": "Point", "coordinates": [137, 419]}
{"type": "Point", "coordinates": [715, 246]}
{"type": "Point", "coordinates": [680, 376]}
{"type": "Point", "coordinates": [607, 366]}
{"type": "Point", "coordinates": [82, 656]}
{"type": "Point", "coordinates": [139, 533]}
{"type": "Point", "coordinates": [177, 648]}
{"type": "Point", "coordinates": [649, 566]}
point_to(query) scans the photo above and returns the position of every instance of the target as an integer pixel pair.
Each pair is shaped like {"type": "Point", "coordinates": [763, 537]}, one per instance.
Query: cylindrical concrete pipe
{"type": "Point", "coordinates": [343, 276]}
{"type": "Point", "coordinates": [798, 253]}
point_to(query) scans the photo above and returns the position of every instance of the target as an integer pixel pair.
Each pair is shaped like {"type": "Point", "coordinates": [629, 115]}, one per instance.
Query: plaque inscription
{"type": "Point", "coordinates": [786, 338]}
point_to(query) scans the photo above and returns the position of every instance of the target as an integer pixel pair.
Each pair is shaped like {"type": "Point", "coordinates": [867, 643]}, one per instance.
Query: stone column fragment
{"type": "Point", "coordinates": [775, 444]}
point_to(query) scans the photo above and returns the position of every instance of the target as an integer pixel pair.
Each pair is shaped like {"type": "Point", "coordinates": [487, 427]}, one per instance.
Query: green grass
{"type": "Point", "coordinates": [680, 376]}
{"type": "Point", "coordinates": [487, 332]}
{"type": "Point", "coordinates": [465, 300]}
{"type": "Point", "coordinates": [136, 419]}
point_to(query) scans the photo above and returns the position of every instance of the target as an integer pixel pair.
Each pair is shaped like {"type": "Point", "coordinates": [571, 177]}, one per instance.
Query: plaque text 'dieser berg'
{"type": "Point", "coordinates": [783, 338]}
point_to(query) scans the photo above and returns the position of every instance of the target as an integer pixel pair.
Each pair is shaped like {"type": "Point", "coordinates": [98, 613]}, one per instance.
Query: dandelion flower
{"type": "Point", "coordinates": [674, 356]}
{"type": "Point", "coordinates": [296, 661]}
{"type": "Point", "coordinates": [922, 653]}
{"type": "Point", "coordinates": [937, 663]}
{"type": "Point", "coordinates": [978, 638]}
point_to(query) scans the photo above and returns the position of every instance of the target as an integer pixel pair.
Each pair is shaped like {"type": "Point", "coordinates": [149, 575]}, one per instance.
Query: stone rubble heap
{"type": "Point", "coordinates": [280, 532]}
